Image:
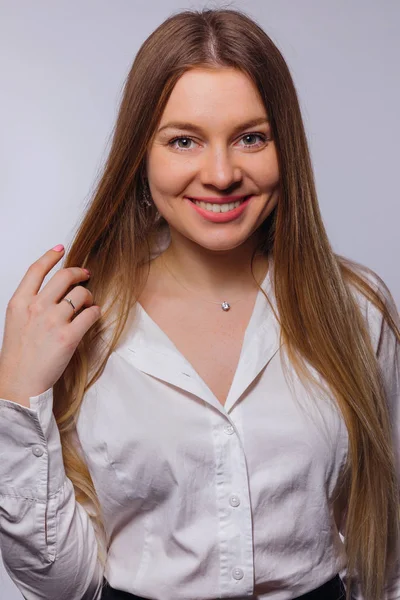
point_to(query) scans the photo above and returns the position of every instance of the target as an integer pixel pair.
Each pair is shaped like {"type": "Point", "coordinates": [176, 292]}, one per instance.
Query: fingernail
{"type": "Point", "coordinates": [58, 248]}
{"type": "Point", "coordinates": [87, 271]}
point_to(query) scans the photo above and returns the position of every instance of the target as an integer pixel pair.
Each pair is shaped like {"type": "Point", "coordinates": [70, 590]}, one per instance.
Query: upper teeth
{"type": "Point", "coordinates": [219, 207]}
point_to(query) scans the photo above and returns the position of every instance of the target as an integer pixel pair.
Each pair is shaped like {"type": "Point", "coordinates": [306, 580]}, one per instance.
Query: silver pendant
{"type": "Point", "coordinates": [225, 306]}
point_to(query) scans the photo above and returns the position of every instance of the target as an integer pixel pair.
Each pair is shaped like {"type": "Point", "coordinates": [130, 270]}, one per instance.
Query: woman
{"type": "Point", "coordinates": [226, 426]}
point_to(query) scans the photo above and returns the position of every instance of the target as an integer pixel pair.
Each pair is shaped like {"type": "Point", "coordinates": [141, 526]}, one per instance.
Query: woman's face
{"type": "Point", "coordinates": [213, 142]}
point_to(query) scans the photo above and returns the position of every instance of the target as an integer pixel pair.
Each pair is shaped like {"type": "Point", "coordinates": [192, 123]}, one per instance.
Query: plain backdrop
{"type": "Point", "coordinates": [63, 65]}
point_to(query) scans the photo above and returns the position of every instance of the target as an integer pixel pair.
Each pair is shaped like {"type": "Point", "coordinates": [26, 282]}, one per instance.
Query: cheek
{"type": "Point", "coordinates": [273, 176]}
{"type": "Point", "coordinates": [168, 171]}
{"type": "Point", "coordinates": [267, 170]}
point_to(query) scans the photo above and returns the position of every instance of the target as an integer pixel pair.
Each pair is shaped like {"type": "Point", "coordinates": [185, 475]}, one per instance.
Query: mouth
{"type": "Point", "coordinates": [219, 207]}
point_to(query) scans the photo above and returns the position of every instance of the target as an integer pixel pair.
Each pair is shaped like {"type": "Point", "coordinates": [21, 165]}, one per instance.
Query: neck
{"type": "Point", "coordinates": [214, 274]}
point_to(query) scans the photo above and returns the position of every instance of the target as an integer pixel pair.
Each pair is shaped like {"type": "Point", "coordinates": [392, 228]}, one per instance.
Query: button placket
{"type": "Point", "coordinates": [235, 533]}
{"type": "Point", "coordinates": [241, 557]}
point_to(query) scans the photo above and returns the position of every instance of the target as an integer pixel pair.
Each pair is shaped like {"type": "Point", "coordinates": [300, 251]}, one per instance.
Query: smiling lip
{"type": "Point", "coordinates": [219, 217]}
{"type": "Point", "coordinates": [217, 200]}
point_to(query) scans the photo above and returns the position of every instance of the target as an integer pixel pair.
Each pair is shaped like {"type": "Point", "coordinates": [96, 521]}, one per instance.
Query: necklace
{"type": "Point", "coordinates": [224, 305]}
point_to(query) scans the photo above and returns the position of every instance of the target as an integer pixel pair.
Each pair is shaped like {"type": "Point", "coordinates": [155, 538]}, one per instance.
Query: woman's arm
{"type": "Point", "coordinates": [47, 539]}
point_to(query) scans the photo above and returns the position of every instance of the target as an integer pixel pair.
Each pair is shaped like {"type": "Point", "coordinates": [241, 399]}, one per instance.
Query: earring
{"type": "Point", "coordinates": [146, 197]}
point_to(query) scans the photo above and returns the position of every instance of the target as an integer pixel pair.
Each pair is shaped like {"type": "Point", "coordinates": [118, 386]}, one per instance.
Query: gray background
{"type": "Point", "coordinates": [62, 67]}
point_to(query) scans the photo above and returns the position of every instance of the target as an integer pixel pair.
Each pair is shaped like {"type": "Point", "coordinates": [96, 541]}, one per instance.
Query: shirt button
{"type": "Point", "coordinates": [228, 429]}
{"type": "Point", "coordinates": [37, 450]}
{"type": "Point", "coordinates": [234, 500]}
{"type": "Point", "coordinates": [237, 573]}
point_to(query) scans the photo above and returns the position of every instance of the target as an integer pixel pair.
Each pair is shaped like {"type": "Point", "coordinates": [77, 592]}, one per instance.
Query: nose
{"type": "Point", "coordinates": [219, 169]}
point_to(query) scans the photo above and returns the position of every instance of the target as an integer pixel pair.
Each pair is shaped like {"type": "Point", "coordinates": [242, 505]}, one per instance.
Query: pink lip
{"type": "Point", "coordinates": [221, 217]}
{"type": "Point", "coordinates": [218, 200]}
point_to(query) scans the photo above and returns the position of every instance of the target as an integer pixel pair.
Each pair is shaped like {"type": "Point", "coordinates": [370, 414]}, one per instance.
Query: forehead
{"type": "Point", "coordinates": [213, 94]}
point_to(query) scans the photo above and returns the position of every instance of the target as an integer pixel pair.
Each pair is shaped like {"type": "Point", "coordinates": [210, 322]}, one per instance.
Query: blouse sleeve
{"type": "Point", "coordinates": [47, 539]}
{"type": "Point", "coordinates": [387, 349]}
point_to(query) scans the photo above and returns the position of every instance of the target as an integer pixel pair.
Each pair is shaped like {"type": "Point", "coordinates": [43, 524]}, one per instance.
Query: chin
{"type": "Point", "coordinates": [216, 243]}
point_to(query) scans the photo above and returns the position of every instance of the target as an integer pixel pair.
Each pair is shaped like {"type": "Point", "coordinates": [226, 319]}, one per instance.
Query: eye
{"type": "Point", "coordinates": [250, 136]}
{"type": "Point", "coordinates": [184, 139]}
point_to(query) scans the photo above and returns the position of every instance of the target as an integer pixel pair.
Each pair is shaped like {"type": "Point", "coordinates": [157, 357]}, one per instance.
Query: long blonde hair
{"type": "Point", "coordinates": [321, 323]}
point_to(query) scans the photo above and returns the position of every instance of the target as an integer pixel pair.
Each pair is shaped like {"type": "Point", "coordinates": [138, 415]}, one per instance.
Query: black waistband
{"type": "Point", "coordinates": [331, 590]}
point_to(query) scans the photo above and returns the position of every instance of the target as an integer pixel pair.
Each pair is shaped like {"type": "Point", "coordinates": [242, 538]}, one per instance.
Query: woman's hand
{"type": "Point", "coordinates": [41, 332]}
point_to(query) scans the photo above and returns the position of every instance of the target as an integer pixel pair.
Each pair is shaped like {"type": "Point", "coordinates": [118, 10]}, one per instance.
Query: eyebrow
{"type": "Point", "coordinates": [191, 127]}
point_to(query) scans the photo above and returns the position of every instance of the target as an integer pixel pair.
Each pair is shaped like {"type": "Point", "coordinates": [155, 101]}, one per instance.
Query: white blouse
{"type": "Point", "coordinates": [201, 501]}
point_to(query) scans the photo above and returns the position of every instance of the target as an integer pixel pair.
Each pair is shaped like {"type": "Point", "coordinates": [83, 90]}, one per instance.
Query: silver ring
{"type": "Point", "coordinates": [70, 301]}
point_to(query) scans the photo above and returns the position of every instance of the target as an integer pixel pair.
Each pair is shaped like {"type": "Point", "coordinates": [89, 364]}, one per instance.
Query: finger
{"type": "Point", "coordinates": [83, 322]}
{"type": "Point", "coordinates": [33, 279]}
{"type": "Point", "coordinates": [80, 298]}
{"type": "Point", "coordinates": [61, 284]}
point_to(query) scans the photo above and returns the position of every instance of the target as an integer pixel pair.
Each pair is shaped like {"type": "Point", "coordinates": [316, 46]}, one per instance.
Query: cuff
{"type": "Point", "coordinates": [31, 463]}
